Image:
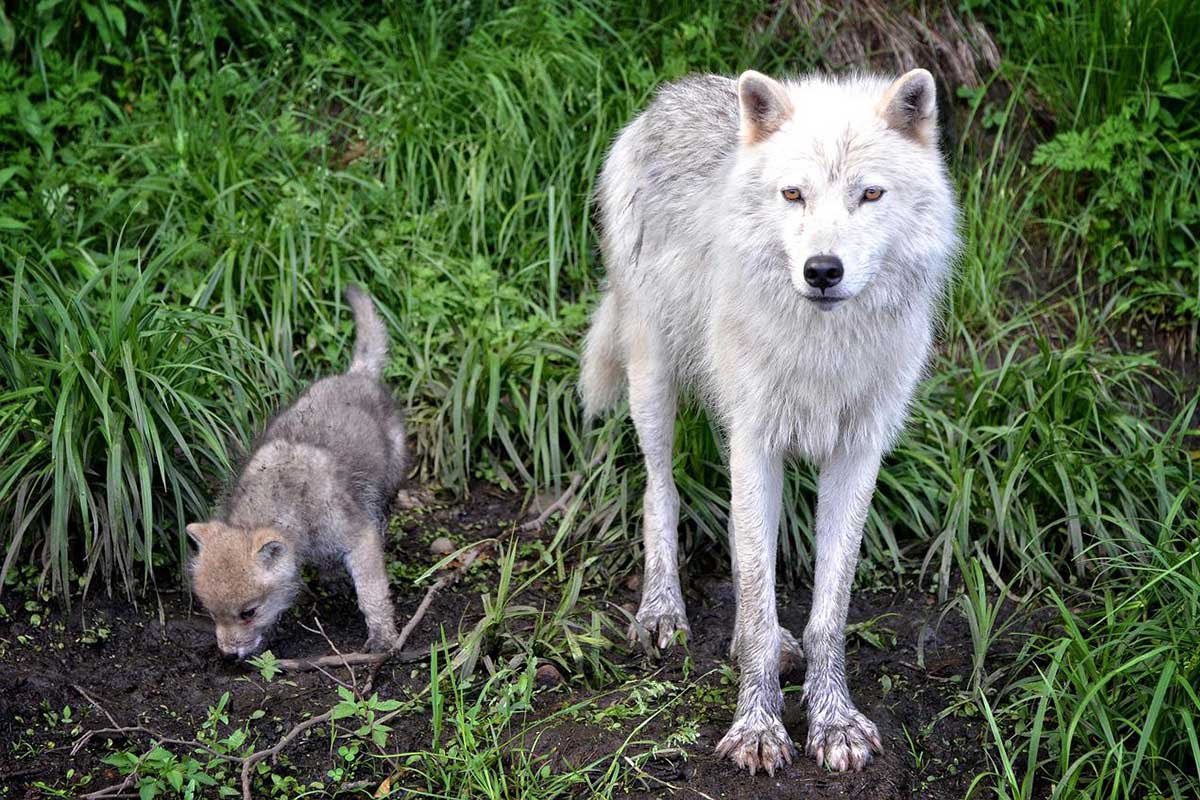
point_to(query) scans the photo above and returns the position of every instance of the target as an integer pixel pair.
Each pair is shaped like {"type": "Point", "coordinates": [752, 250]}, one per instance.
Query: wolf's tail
{"type": "Point", "coordinates": [370, 334]}
{"type": "Point", "coordinates": [602, 371]}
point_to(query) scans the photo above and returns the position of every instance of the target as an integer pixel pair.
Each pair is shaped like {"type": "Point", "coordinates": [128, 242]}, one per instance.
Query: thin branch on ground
{"type": "Point", "coordinates": [95, 703]}
{"type": "Point", "coordinates": [568, 494]}
{"type": "Point", "coordinates": [350, 659]}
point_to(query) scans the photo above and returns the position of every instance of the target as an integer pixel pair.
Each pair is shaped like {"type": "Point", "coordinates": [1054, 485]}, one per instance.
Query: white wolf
{"type": "Point", "coordinates": [780, 250]}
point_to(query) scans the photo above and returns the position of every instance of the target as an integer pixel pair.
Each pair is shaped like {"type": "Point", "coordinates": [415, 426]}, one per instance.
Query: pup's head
{"type": "Point", "coordinates": [843, 179]}
{"type": "Point", "coordinates": [245, 578]}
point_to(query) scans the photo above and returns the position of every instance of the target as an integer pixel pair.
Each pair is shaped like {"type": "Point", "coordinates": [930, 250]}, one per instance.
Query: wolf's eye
{"type": "Point", "coordinates": [792, 194]}
{"type": "Point", "coordinates": [871, 194]}
{"type": "Point", "coordinates": [247, 614]}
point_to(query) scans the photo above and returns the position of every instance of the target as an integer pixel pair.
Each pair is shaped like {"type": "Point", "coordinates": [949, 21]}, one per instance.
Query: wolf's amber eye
{"type": "Point", "coordinates": [872, 193]}
{"type": "Point", "coordinates": [792, 194]}
{"type": "Point", "coordinates": [247, 614]}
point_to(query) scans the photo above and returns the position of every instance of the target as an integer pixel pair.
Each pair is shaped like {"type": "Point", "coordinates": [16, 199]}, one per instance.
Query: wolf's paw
{"type": "Point", "coordinates": [757, 741]}
{"type": "Point", "coordinates": [791, 652]}
{"type": "Point", "coordinates": [655, 626]}
{"type": "Point", "coordinates": [381, 641]}
{"type": "Point", "coordinates": [845, 742]}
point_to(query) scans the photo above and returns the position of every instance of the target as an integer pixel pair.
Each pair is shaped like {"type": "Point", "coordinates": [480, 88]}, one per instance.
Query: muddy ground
{"type": "Point", "coordinates": [156, 664]}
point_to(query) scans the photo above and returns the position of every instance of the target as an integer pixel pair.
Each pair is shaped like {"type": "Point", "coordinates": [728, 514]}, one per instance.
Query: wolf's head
{"type": "Point", "coordinates": [245, 578]}
{"type": "Point", "coordinates": [842, 179]}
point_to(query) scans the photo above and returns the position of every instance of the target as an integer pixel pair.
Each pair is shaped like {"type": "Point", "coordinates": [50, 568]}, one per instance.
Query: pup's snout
{"type": "Point", "coordinates": [230, 657]}
{"type": "Point", "coordinates": [822, 272]}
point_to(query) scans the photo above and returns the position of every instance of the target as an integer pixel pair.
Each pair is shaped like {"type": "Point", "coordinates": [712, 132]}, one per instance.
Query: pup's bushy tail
{"type": "Point", "coordinates": [602, 371]}
{"type": "Point", "coordinates": [370, 334]}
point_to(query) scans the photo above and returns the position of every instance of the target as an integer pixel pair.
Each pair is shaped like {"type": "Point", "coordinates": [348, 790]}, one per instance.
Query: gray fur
{"type": "Point", "coordinates": [710, 203]}
{"type": "Point", "coordinates": [315, 488]}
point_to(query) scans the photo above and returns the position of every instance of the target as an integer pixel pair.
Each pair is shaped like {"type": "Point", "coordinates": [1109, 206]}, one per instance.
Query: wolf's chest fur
{"type": "Point", "coordinates": [805, 380]}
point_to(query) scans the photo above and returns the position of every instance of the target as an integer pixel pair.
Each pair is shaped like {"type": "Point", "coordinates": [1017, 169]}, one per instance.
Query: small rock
{"type": "Point", "coordinates": [441, 546]}
{"type": "Point", "coordinates": [547, 677]}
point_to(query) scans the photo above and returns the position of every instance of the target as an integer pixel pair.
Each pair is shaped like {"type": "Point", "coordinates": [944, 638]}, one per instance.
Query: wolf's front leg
{"type": "Point", "coordinates": [366, 565]}
{"type": "Point", "coordinates": [757, 739]}
{"type": "Point", "coordinates": [652, 403]}
{"type": "Point", "coordinates": [791, 654]}
{"type": "Point", "coordinates": [838, 735]}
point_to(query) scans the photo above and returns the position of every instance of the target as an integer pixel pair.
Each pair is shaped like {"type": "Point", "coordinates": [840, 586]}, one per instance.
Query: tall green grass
{"type": "Point", "coordinates": [189, 191]}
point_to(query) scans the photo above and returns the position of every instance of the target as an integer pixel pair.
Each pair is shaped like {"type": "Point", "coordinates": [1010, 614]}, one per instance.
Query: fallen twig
{"type": "Point", "coordinates": [568, 494]}
{"type": "Point", "coordinates": [351, 659]}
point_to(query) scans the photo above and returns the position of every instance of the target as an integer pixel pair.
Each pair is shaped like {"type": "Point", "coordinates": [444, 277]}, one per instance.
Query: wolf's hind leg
{"type": "Point", "coordinates": [652, 404]}
{"type": "Point", "coordinates": [366, 564]}
{"type": "Point", "coordinates": [839, 736]}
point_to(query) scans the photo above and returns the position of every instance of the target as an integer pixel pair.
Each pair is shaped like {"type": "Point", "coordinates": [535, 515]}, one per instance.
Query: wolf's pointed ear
{"type": "Point", "coordinates": [910, 105]}
{"type": "Point", "coordinates": [764, 106]}
{"type": "Point", "coordinates": [268, 547]}
{"type": "Point", "coordinates": [199, 532]}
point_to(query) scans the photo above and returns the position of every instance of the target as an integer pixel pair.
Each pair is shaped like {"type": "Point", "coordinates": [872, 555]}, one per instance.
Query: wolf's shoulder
{"type": "Point", "coordinates": [697, 90]}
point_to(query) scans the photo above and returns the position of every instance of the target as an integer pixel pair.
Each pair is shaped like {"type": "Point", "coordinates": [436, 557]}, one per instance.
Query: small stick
{"type": "Point", "coordinates": [249, 761]}
{"type": "Point", "coordinates": [568, 494]}
{"type": "Point", "coordinates": [348, 659]}
{"type": "Point", "coordinates": [93, 701]}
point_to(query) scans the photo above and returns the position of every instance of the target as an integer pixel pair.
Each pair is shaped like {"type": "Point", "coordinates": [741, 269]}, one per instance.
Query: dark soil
{"type": "Point", "coordinates": [156, 664]}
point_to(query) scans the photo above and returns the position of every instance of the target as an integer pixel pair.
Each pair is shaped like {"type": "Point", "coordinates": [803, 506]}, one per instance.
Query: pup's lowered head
{"type": "Point", "coordinates": [246, 579]}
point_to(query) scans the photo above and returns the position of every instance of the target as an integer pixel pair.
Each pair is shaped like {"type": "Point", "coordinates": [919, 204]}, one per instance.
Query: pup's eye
{"type": "Point", "coordinates": [248, 614]}
{"type": "Point", "coordinates": [792, 194]}
{"type": "Point", "coordinates": [871, 194]}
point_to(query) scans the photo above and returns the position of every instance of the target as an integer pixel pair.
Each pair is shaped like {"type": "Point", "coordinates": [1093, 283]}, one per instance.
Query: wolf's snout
{"type": "Point", "coordinates": [229, 657]}
{"type": "Point", "coordinates": [822, 272]}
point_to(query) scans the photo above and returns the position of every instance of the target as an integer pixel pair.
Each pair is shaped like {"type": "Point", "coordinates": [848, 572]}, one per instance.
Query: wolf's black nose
{"type": "Point", "coordinates": [821, 272]}
{"type": "Point", "coordinates": [229, 658]}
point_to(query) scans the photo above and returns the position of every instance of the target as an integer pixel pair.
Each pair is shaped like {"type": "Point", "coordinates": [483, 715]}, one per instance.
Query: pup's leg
{"type": "Point", "coordinates": [652, 404]}
{"type": "Point", "coordinates": [791, 654]}
{"type": "Point", "coordinates": [366, 564]}
{"type": "Point", "coordinates": [838, 735]}
{"type": "Point", "coordinates": [757, 738]}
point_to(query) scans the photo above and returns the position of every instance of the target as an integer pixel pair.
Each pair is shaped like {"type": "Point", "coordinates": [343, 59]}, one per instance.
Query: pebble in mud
{"type": "Point", "coordinates": [441, 546]}
{"type": "Point", "coordinates": [547, 677]}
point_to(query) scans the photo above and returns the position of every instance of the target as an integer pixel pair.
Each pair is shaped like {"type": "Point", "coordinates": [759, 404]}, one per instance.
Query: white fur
{"type": "Point", "coordinates": [707, 294]}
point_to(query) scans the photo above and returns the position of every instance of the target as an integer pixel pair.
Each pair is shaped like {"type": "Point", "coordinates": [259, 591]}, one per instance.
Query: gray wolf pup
{"type": "Point", "coordinates": [315, 488]}
{"type": "Point", "coordinates": [778, 249]}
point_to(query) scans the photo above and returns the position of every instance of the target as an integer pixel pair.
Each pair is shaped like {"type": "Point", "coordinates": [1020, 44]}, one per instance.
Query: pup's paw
{"type": "Point", "coordinates": [656, 625]}
{"type": "Point", "coordinates": [381, 641]}
{"type": "Point", "coordinates": [791, 652]}
{"type": "Point", "coordinates": [844, 742]}
{"type": "Point", "coordinates": [757, 741]}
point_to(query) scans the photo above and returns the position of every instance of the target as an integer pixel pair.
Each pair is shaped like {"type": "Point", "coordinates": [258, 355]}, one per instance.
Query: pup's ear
{"type": "Point", "coordinates": [268, 546]}
{"type": "Point", "coordinates": [764, 106]}
{"type": "Point", "coordinates": [200, 532]}
{"type": "Point", "coordinates": [910, 105]}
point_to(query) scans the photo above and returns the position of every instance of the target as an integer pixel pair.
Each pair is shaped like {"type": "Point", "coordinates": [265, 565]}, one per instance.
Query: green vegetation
{"type": "Point", "coordinates": [187, 187]}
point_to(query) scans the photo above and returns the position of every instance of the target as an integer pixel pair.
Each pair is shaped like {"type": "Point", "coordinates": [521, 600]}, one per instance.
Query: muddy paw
{"type": "Point", "coordinates": [655, 628]}
{"type": "Point", "coordinates": [757, 741]}
{"type": "Point", "coordinates": [381, 641]}
{"type": "Point", "coordinates": [845, 743]}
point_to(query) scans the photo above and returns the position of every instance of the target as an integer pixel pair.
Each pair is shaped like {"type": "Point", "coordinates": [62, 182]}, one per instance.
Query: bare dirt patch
{"type": "Point", "coordinates": [156, 663]}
